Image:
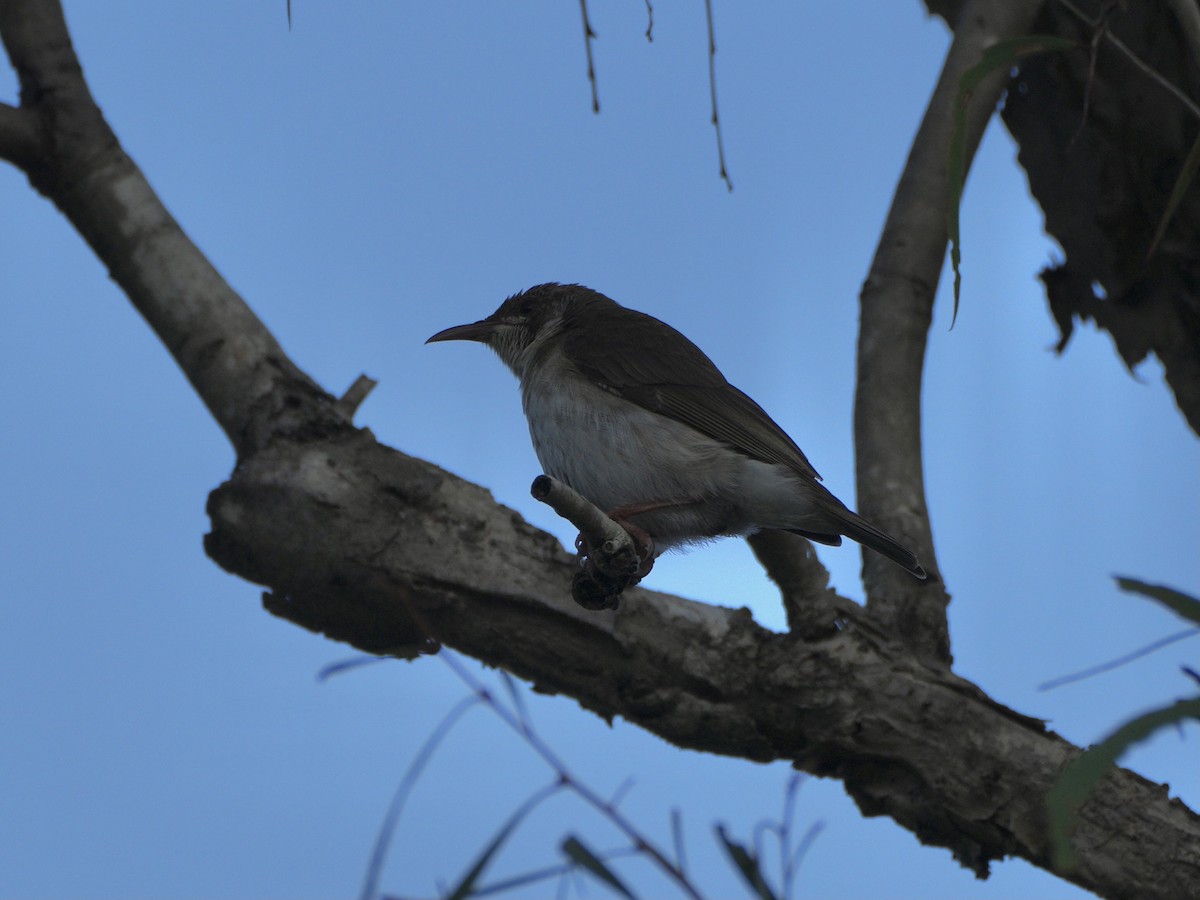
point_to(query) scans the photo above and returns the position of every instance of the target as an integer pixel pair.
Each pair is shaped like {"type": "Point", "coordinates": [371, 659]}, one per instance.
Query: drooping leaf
{"type": "Point", "coordinates": [1001, 55]}
{"type": "Point", "coordinates": [746, 863]}
{"type": "Point", "coordinates": [1178, 602]}
{"type": "Point", "coordinates": [466, 885]}
{"type": "Point", "coordinates": [1183, 181]}
{"type": "Point", "coordinates": [581, 855]}
{"type": "Point", "coordinates": [1078, 779]}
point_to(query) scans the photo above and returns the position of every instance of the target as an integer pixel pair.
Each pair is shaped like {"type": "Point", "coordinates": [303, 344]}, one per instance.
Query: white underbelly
{"type": "Point", "coordinates": [617, 454]}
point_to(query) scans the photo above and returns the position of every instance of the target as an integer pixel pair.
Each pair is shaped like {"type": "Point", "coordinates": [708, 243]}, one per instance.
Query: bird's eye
{"type": "Point", "coordinates": [526, 308]}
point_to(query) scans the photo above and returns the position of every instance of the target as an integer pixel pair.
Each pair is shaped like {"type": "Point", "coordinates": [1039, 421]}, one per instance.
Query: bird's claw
{"type": "Point", "coordinates": [604, 575]}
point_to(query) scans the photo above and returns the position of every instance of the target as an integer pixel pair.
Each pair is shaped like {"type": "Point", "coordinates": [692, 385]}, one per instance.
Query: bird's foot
{"type": "Point", "coordinates": [603, 574]}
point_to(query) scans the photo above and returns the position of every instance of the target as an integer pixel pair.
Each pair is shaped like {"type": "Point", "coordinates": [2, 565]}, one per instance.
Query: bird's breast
{"type": "Point", "coordinates": [615, 452]}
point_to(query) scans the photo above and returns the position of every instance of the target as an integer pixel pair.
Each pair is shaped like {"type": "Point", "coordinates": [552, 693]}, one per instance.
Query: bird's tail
{"type": "Point", "coordinates": [855, 527]}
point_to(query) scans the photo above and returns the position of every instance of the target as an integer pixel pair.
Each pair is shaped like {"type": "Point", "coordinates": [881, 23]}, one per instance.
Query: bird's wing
{"type": "Point", "coordinates": [667, 374]}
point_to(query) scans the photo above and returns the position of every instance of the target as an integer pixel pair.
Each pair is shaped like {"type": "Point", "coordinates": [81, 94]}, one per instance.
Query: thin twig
{"type": "Point", "coordinates": [558, 871]}
{"type": "Point", "coordinates": [383, 840]}
{"type": "Point", "coordinates": [1093, 56]}
{"type": "Point", "coordinates": [649, 22]}
{"type": "Point", "coordinates": [712, 86]}
{"type": "Point", "coordinates": [611, 559]}
{"type": "Point", "coordinates": [1118, 662]}
{"type": "Point", "coordinates": [542, 749]}
{"type": "Point", "coordinates": [1146, 68]}
{"type": "Point", "coordinates": [588, 37]}
{"type": "Point", "coordinates": [601, 532]}
{"type": "Point", "coordinates": [350, 401]}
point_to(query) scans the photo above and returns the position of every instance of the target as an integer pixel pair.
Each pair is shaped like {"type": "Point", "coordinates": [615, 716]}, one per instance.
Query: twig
{"type": "Point", "coordinates": [588, 37]}
{"type": "Point", "coordinates": [542, 749]}
{"type": "Point", "coordinates": [597, 528]}
{"type": "Point", "coordinates": [383, 840]}
{"type": "Point", "coordinates": [649, 22]}
{"type": "Point", "coordinates": [516, 881]}
{"type": "Point", "coordinates": [20, 143]}
{"type": "Point", "coordinates": [1118, 662]}
{"type": "Point", "coordinates": [350, 401]}
{"type": "Point", "coordinates": [712, 86]}
{"type": "Point", "coordinates": [613, 561]}
{"type": "Point", "coordinates": [1146, 68]}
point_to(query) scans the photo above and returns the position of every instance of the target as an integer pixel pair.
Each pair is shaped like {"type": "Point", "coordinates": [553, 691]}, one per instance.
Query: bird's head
{"type": "Point", "coordinates": [524, 326]}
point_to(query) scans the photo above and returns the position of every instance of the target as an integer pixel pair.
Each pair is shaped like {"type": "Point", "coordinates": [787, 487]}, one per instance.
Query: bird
{"type": "Point", "coordinates": [637, 419]}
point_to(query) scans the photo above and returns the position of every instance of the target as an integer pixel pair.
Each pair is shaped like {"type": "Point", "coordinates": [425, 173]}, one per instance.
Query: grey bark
{"type": "Point", "coordinates": [897, 308]}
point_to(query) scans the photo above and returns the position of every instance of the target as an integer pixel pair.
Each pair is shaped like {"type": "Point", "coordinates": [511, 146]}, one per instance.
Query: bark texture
{"type": "Point", "coordinates": [380, 550]}
{"type": "Point", "coordinates": [897, 308]}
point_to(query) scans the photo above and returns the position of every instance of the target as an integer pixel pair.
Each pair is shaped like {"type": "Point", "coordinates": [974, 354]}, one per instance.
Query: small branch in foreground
{"type": "Point", "coordinates": [350, 401]}
{"type": "Point", "coordinates": [612, 561]}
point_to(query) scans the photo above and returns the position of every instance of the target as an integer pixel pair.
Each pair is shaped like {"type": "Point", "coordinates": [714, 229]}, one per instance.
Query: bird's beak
{"type": "Point", "coordinates": [477, 331]}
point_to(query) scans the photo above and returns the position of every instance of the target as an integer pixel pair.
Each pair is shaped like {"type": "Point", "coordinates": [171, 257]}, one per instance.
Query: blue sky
{"type": "Point", "coordinates": [385, 170]}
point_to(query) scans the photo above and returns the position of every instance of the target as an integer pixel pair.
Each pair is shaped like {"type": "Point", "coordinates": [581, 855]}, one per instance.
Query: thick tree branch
{"type": "Point", "coordinates": [897, 308]}
{"type": "Point", "coordinates": [235, 364]}
{"type": "Point", "coordinates": [379, 549]}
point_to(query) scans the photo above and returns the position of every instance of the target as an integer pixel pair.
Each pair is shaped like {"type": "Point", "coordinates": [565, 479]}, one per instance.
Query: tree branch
{"type": "Point", "coordinates": [896, 311]}
{"type": "Point", "coordinates": [378, 549]}
{"type": "Point", "coordinates": [236, 365]}
{"type": "Point", "coordinates": [814, 610]}
{"type": "Point", "coordinates": [19, 141]}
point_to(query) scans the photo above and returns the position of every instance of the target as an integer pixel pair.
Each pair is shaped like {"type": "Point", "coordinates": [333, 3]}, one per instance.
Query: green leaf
{"type": "Point", "coordinates": [1078, 779]}
{"type": "Point", "coordinates": [1186, 175]}
{"type": "Point", "coordinates": [1178, 602]}
{"type": "Point", "coordinates": [1001, 55]}
{"type": "Point", "coordinates": [466, 886]}
{"type": "Point", "coordinates": [747, 864]}
{"type": "Point", "coordinates": [578, 853]}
